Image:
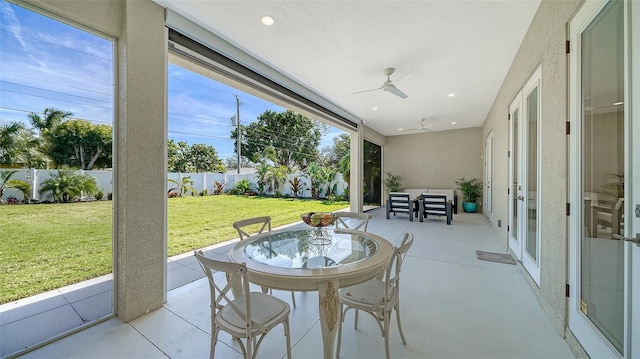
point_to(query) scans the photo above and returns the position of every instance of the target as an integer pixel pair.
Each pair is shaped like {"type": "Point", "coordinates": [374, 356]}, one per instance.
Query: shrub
{"type": "Point", "coordinates": [67, 185]}
{"type": "Point", "coordinates": [203, 193]}
{"type": "Point", "coordinates": [243, 186]}
{"type": "Point", "coordinates": [98, 195]}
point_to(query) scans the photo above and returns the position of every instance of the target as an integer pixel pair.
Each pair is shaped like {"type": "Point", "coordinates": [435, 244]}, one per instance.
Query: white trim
{"type": "Point", "coordinates": [594, 343]}
{"type": "Point", "coordinates": [532, 265]}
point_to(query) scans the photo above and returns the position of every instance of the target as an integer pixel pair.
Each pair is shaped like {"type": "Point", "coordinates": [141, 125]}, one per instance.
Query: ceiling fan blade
{"type": "Point", "coordinates": [353, 93]}
{"type": "Point", "coordinates": [406, 76]}
{"type": "Point", "coordinates": [394, 90]}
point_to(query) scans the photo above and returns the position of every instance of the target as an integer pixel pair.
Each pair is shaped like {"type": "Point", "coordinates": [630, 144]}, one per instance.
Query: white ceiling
{"type": "Point", "coordinates": [340, 47]}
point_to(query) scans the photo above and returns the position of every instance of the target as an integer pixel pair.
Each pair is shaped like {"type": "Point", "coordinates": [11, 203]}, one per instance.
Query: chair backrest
{"type": "Point", "coordinates": [400, 201]}
{"type": "Point", "coordinates": [221, 293]}
{"type": "Point", "coordinates": [392, 275]}
{"type": "Point", "coordinates": [361, 220]}
{"type": "Point", "coordinates": [434, 202]}
{"type": "Point", "coordinates": [240, 226]}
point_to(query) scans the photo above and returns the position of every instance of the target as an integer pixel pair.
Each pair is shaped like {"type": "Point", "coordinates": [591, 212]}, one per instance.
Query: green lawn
{"type": "Point", "coordinates": [47, 246]}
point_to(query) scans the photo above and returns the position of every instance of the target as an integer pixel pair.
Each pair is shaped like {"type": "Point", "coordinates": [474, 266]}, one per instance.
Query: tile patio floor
{"type": "Point", "coordinates": [453, 306]}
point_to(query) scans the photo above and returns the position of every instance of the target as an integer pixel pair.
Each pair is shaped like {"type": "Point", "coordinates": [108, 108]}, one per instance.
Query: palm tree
{"type": "Point", "coordinates": [10, 141]}
{"type": "Point", "coordinates": [316, 176]}
{"type": "Point", "coordinates": [6, 182]}
{"type": "Point", "coordinates": [52, 118]}
{"type": "Point", "coordinates": [277, 176]}
{"type": "Point", "coordinates": [344, 167]}
{"type": "Point", "coordinates": [66, 185]}
{"type": "Point", "coordinates": [262, 174]}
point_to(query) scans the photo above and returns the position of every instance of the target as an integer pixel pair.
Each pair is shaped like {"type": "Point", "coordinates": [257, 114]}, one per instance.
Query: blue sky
{"type": "Point", "coordinates": [46, 63]}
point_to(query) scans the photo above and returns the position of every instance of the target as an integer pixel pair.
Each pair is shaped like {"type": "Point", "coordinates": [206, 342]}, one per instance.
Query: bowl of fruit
{"type": "Point", "coordinates": [319, 219]}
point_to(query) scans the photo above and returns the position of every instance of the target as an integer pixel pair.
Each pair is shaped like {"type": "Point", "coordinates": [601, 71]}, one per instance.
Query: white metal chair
{"type": "Point", "coordinates": [360, 220]}
{"type": "Point", "coordinates": [378, 297]}
{"type": "Point", "coordinates": [242, 228]}
{"type": "Point", "coordinates": [250, 316]}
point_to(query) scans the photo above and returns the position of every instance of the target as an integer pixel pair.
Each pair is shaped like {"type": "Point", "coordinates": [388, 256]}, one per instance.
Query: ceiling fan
{"type": "Point", "coordinates": [388, 85]}
{"type": "Point", "coordinates": [421, 128]}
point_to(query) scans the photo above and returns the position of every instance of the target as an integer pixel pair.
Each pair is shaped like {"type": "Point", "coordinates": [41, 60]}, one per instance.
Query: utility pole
{"type": "Point", "coordinates": [239, 131]}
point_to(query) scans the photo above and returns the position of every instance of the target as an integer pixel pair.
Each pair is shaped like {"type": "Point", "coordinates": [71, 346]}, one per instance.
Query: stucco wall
{"type": "Point", "coordinates": [435, 159]}
{"type": "Point", "coordinates": [544, 44]}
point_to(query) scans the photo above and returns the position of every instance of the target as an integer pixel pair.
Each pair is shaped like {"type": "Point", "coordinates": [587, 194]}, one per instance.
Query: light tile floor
{"type": "Point", "coordinates": [453, 306]}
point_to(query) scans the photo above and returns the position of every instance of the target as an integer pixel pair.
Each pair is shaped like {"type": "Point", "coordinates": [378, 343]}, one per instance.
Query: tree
{"type": "Point", "coordinates": [344, 167]}
{"type": "Point", "coordinates": [80, 144]}
{"type": "Point", "coordinates": [276, 177]}
{"type": "Point", "coordinates": [205, 159]}
{"type": "Point", "coordinates": [315, 174]}
{"type": "Point", "coordinates": [10, 146]}
{"type": "Point", "coordinates": [67, 185]}
{"type": "Point", "coordinates": [18, 145]}
{"type": "Point", "coordinates": [331, 155]}
{"type": "Point", "coordinates": [294, 137]}
{"type": "Point", "coordinates": [262, 177]}
{"type": "Point", "coordinates": [52, 118]}
{"type": "Point", "coordinates": [6, 182]}
{"type": "Point", "coordinates": [177, 156]}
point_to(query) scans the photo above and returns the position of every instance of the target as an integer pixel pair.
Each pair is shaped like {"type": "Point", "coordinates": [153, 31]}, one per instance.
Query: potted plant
{"type": "Point", "coordinates": [392, 182]}
{"type": "Point", "coordinates": [471, 190]}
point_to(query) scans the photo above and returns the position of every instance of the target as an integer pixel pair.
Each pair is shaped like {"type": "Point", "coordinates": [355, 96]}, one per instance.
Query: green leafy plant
{"type": "Point", "coordinates": [184, 186]}
{"type": "Point", "coordinates": [392, 182]}
{"type": "Point", "coordinates": [297, 186]}
{"type": "Point", "coordinates": [471, 189]}
{"type": "Point", "coordinates": [6, 182]}
{"type": "Point", "coordinates": [67, 185]}
{"type": "Point", "coordinates": [243, 186]}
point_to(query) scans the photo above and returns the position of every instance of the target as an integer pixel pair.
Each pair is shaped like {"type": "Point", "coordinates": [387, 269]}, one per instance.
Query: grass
{"type": "Point", "coordinates": [44, 247]}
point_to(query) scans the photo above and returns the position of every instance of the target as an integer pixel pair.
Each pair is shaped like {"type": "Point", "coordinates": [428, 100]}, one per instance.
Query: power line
{"type": "Point", "coordinates": [56, 83]}
{"type": "Point", "coordinates": [56, 99]}
{"type": "Point", "coordinates": [21, 35]}
{"type": "Point", "coordinates": [43, 89]}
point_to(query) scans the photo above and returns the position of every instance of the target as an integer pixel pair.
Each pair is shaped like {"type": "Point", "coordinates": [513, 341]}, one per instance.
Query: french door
{"type": "Point", "coordinates": [604, 180]}
{"type": "Point", "coordinates": [488, 172]}
{"type": "Point", "coordinates": [524, 176]}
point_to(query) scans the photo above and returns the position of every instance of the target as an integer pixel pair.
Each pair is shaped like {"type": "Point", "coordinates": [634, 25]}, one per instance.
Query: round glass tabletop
{"type": "Point", "coordinates": [296, 249]}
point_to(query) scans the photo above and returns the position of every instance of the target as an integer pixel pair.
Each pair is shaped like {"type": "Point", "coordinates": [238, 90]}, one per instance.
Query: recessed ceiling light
{"type": "Point", "coordinates": [374, 108]}
{"type": "Point", "coordinates": [364, 121]}
{"type": "Point", "coordinates": [400, 129]}
{"type": "Point", "coordinates": [618, 103]}
{"type": "Point", "coordinates": [451, 95]}
{"type": "Point", "coordinates": [267, 20]}
{"type": "Point", "coordinates": [453, 123]}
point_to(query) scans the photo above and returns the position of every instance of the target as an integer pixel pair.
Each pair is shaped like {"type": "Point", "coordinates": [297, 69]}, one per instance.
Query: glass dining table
{"type": "Point", "coordinates": [292, 259]}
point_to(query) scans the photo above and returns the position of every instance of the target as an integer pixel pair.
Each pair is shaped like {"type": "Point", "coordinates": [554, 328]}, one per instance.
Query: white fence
{"type": "Point", "coordinates": [200, 181]}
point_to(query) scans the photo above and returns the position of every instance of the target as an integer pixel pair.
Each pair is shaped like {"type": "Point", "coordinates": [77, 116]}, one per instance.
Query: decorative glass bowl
{"type": "Point", "coordinates": [319, 221]}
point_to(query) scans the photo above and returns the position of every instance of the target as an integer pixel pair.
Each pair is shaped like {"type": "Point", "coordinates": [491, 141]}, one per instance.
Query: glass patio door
{"type": "Point", "coordinates": [488, 172]}
{"type": "Point", "coordinates": [604, 302]}
{"type": "Point", "coordinates": [524, 197]}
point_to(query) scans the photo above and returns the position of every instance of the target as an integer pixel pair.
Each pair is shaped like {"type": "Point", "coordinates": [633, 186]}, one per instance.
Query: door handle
{"type": "Point", "coordinates": [632, 240]}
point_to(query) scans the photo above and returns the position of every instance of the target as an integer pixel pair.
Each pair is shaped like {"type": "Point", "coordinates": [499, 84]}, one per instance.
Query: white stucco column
{"type": "Point", "coordinates": [140, 159]}
{"type": "Point", "coordinates": [355, 187]}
